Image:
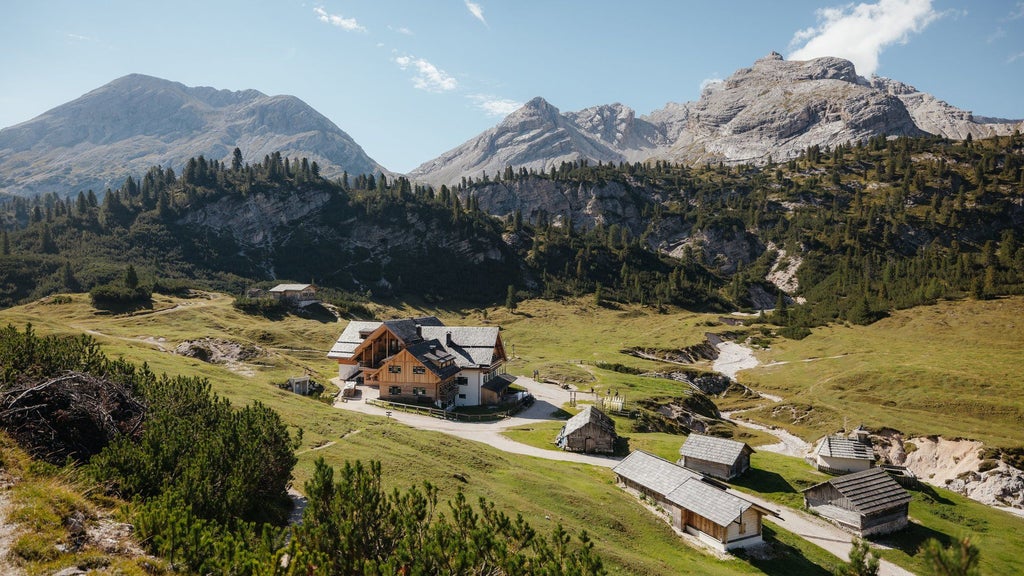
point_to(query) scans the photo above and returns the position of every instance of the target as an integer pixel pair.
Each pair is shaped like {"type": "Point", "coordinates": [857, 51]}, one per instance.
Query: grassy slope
{"type": "Point", "coordinates": [547, 335]}
{"type": "Point", "coordinates": [580, 497]}
{"type": "Point", "coordinates": [909, 372]}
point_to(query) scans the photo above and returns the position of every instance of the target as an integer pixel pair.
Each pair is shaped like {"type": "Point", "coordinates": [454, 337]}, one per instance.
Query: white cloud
{"type": "Point", "coordinates": [80, 38]}
{"type": "Point", "coordinates": [1015, 57]}
{"type": "Point", "coordinates": [476, 10]}
{"type": "Point", "coordinates": [1018, 11]}
{"type": "Point", "coordinates": [710, 82]}
{"type": "Point", "coordinates": [998, 34]}
{"type": "Point", "coordinates": [860, 32]}
{"type": "Point", "coordinates": [427, 76]}
{"type": "Point", "coordinates": [350, 24]}
{"type": "Point", "coordinates": [493, 105]}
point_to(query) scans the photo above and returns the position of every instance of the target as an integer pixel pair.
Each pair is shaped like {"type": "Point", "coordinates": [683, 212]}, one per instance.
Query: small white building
{"type": "Point", "coordinates": [295, 293]}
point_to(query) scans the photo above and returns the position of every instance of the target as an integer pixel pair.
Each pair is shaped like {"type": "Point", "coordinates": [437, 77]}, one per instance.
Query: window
{"type": "Point", "coordinates": [394, 390]}
{"type": "Point", "coordinates": [462, 381]}
{"type": "Point", "coordinates": [419, 391]}
{"type": "Point", "coordinates": [462, 396]}
{"type": "Point", "coordinates": [419, 370]}
{"type": "Point", "coordinates": [395, 369]}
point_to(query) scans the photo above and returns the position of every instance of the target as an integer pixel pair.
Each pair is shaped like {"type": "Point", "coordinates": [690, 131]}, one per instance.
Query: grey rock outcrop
{"type": "Point", "coordinates": [773, 109]}
{"type": "Point", "coordinates": [135, 122]}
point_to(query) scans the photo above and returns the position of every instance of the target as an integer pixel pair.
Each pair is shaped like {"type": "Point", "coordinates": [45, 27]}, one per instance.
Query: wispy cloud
{"type": "Point", "coordinates": [996, 34]}
{"type": "Point", "coordinates": [427, 76]}
{"type": "Point", "coordinates": [709, 82]}
{"type": "Point", "coordinates": [476, 10]}
{"type": "Point", "coordinates": [402, 30]}
{"type": "Point", "coordinates": [80, 38]}
{"type": "Point", "coordinates": [1018, 11]}
{"type": "Point", "coordinates": [493, 105]}
{"type": "Point", "coordinates": [1015, 57]}
{"type": "Point", "coordinates": [350, 24]}
{"type": "Point", "coordinates": [861, 32]}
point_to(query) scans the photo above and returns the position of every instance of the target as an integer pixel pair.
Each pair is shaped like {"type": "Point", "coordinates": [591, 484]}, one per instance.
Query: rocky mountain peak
{"type": "Point", "coordinates": [138, 121]}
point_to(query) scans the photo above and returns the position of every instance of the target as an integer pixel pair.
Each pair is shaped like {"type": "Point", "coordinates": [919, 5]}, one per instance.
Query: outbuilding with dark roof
{"type": "Point", "coordinates": [866, 503]}
{"type": "Point", "coordinates": [717, 457]}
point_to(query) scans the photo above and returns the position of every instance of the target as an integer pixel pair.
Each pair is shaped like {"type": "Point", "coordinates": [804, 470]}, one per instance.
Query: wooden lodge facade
{"type": "Point", "coordinates": [717, 518]}
{"type": "Point", "coordinates": [422, 361]}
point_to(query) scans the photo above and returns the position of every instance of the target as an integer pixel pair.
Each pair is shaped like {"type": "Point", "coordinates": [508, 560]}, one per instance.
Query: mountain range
{"type": "Point", "coordinates": [770, 111]}
{"type": "Point", "coordinates": [138, 121]}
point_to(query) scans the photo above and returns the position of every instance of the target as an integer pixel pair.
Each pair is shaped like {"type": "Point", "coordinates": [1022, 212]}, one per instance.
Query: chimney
{"type": "Point", "coordinates": [419, 332]}
{"type": "Point", "coordinates": [861, 434]}
{"type": "Point", "coordinates": [448, 339]}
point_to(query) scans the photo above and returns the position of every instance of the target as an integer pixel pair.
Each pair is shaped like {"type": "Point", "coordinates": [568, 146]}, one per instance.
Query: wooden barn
{"type": "Point", "coordinates": [838, 454]}
{"type": "Point", "coordinates": [866, 503]}
{"type": "Point", "coordinates": [717, 518]}
{"type": "Point", "coordinates": [717, 457]}
{"type": "Point", "coordinates": [589, 431]}
{"type": "Point", "coordinates": [297, 293]}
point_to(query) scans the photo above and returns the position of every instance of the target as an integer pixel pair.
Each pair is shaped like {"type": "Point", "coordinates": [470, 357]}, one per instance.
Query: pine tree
{"type": "Point", "coordinates": [863, 562]}
{"type": "Point", "coordinates": [131, 279]}
{"type": "Point", "coordinates": [959, 559]}
{"type": "Point", "coordinates": [5, 245]}
{"type": "Point", "coordinates": [510, 298]}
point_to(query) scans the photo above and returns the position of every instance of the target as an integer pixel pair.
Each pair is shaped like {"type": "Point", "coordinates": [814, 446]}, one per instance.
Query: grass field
{"type": "Point", "coordinates": [581, 497]}
{"type": "Point", "coordinates": [959, 362]}
{"type": "Point", "coordinates": [909, 372]}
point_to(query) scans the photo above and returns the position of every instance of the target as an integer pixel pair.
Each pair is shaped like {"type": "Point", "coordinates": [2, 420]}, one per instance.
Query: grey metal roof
{"type": "Point", "coordinates": [472, 346]}
{"type": "Point", "coordinates": [713, 449]}
{"type": "Point", "coordinates": [290, 287]}
{"type": "Point", "coordinates": [351, 338]}
{"type": "Point", "coordinates": [869, 491]}
{"type": "Point", "coordinates": [842, 447]}
{"type": "Point", "coordinates": [654, 473]}
{"type": "Point", "coordinates": [715, 504]}
{"type": "Point", "coordinates": [431, 354]}
{"type": "Point", "coordinates": [586, 416]}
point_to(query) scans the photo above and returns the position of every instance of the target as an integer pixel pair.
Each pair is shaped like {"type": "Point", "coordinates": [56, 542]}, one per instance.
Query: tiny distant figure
{"type": "Point", "coordinates": [536, 373]}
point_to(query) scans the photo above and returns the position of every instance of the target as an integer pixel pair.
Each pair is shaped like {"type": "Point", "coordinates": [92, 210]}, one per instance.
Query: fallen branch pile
{"type": "Point", "coordinates": [73, 415]}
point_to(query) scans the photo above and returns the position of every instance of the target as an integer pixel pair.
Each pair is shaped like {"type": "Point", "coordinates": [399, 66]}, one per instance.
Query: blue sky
{"type": "Point", "coordinates": [410, 79]}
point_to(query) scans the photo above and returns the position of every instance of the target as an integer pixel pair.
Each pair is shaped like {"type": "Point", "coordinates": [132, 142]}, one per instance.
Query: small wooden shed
{"type": "Point", "coordinates": [717, 457]}
{"type": "Point", "coordinates": [838, 454]}
{"type": "Point", "coordinates": [866, 503]}
{"type": "Point", "coordinates": [589, 431]}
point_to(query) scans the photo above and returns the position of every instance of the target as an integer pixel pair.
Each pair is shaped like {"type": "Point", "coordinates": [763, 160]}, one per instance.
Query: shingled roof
{"type": "Point", "coordinates": [713, 449]}
{"type": "Point", "coordinates": [840, 447]}
{"type": "Point", "coordinates": [472, 346]}
{"type": "Point", "coordinates": [351, 338]}
{"type": "Point", "coordinates": [431, 354]}
{"type": "Point", "coordinates": [715, 504]}
{"type": "Point", "coordinates": [289, 288]}
{"type": "Point", "coordinates": [405, 328]}
{"type": "Point", "coordinates": [587, 416]}
{"type": "Point", "coordinates": [654, 473]}
{"type": "Point", "coordinates": [869, 491]}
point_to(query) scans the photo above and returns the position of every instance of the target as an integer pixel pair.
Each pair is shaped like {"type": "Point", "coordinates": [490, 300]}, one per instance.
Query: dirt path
{"type": "Point", "coordinates": [8, 532]}
{"type": "Point", "coordinates": [549, 399]}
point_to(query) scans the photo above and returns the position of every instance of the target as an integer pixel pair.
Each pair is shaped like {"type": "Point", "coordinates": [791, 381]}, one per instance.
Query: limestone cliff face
{"type": "Point", "coordinates": [772, 109]}
{"type": "Point", "coordinates": [134, 122]}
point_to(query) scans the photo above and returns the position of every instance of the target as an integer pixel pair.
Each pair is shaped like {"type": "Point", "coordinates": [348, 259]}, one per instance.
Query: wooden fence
{"type": "Point", "coordinates": [445, 414]}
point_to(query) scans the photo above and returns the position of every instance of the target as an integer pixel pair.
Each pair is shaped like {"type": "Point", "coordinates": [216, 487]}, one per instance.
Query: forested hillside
{"type": "Point", "coordinates": [872, 226]}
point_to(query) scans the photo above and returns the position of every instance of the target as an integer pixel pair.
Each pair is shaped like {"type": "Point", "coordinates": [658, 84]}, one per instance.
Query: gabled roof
{"type": "Point", "coordinates": [869, 491]}
{"type": "Point", "coordinates": [715, 504]}
{"type": "Point", "coordinates": [290, 287]}
{"type": "Point", "coordinates": [473, 346]}
{"type": "Point", "coordinates": [431, 354]}
{"type": "Point", "coordinates": [840, 447]}
{"type": "Point", "coordinates": [499, 383]}
{"type": "Point", "coordinates": [351, 338]}
{"type": "Point", "coordinates": [357, 331]}
{"type": "Point", "coordinates": [589, 415]}
{"type": "Point", "coordinates": [405, 328]}
{"type": "Point", "coordinates": [713, 449]}
{"type": "Point", "coordinates": [652, 472]}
